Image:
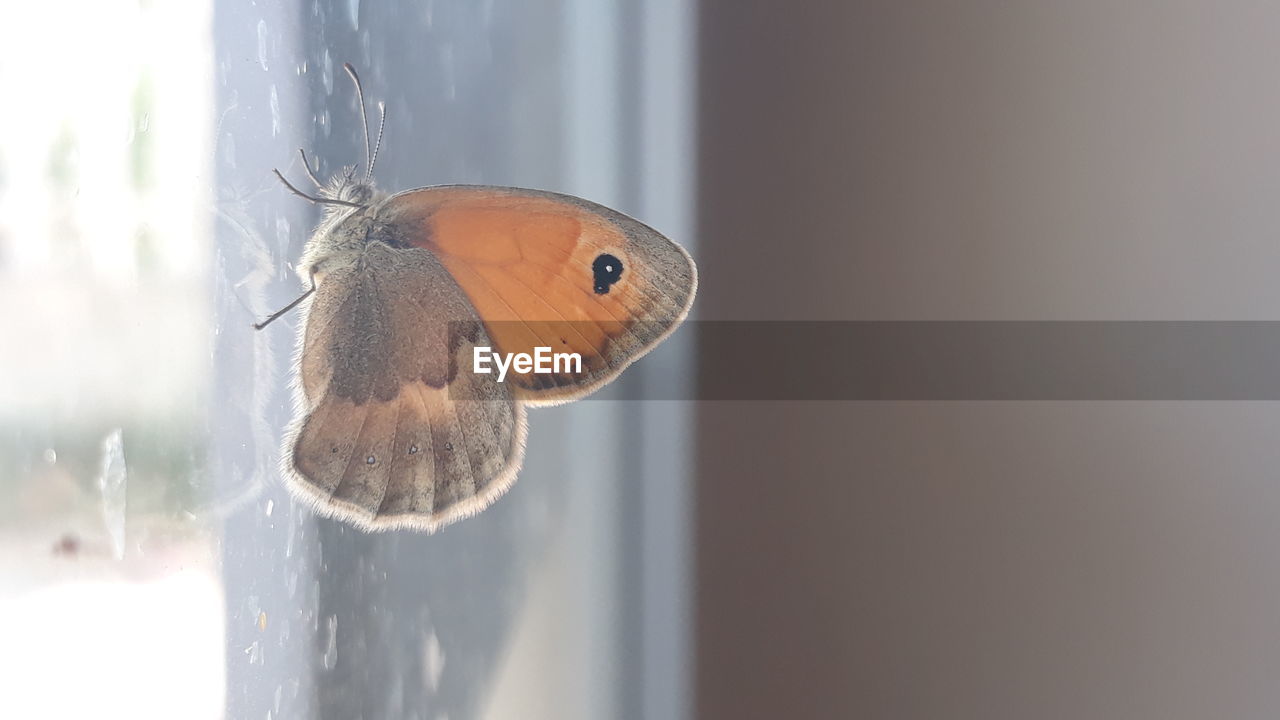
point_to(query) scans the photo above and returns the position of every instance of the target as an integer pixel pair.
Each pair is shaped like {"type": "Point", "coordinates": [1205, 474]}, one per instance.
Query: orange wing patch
{"type": "Point", "coordinates": [554, 271]}
{"type": "Point", "coordinates": [526, 265]}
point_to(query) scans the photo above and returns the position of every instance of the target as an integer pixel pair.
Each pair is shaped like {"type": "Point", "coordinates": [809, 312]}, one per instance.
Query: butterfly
{"type": "Point", "coordinates": [397, 423]}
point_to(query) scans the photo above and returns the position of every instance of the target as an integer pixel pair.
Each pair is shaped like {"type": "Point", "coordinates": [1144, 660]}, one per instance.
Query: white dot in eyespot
{"type": "Point", "coordinates": [371, 460]}
{"type": "Point", "coordinates": [413, 449]}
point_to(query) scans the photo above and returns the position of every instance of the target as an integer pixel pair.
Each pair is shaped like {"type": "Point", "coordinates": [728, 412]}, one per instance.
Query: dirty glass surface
{"type": "Point", "coordinates": [151, 562]}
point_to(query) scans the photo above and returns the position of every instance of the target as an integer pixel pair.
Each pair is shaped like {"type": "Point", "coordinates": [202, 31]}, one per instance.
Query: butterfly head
{"type": "Point", "coordinates": [349, 187]}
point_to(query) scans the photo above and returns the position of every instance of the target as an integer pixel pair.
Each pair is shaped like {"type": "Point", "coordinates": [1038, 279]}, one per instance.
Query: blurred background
{"type": "Point", "coordinates": [822, 161]}
{"type": "Point", "coordinates": [1109, 160]}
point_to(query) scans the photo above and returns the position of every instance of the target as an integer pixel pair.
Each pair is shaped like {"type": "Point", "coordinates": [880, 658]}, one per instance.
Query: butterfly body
{"type": "Point", "coordinates": [394, 427]}
{"type": "Point", "coordinates": [345, 230]}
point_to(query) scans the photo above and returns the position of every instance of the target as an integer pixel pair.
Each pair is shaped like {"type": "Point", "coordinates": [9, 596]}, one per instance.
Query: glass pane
{"type": "Point", "coordinates": [149, 548]}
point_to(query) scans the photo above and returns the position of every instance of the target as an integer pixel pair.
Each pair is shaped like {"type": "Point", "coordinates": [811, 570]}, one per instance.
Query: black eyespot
{"type": "Point", "coordinates": [605, 271]}
{"type": "Point", "coordinates": [448, 446]}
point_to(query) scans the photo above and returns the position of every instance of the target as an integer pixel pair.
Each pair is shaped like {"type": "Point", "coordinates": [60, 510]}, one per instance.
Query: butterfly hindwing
{"type": "Point", "coordinates": [393, 433]}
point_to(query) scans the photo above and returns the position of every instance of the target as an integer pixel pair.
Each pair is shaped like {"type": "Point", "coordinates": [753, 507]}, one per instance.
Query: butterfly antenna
{"type": "Point", "coordinates": [313, 200]}
{"type": "Point", "coordinates": [377, 145]}
{"type": "Point", "coordinates": [307, 166]}
{"type": "Point", "coordinates": [364, 115]}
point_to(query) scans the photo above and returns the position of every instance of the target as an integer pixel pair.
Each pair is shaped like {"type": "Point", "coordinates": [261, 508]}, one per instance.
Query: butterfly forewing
{"type": "Point", "coordinates": [552, 271]}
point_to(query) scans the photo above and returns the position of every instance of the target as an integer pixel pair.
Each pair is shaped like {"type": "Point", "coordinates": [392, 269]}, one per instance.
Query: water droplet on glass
{"type": "Point", "coordinates": [254, 652]}
{"type": "Point", "coordinates": [113, 484]}
{"type": "Point", "coordinates": [330, 658]}
{"type": "Point", "coordinates": [449, 71]}
{"type": "Point", "coordinates": [275, 112]}
{"type": "Point", "coordinates": [283, 232]}
{"type": "Point", "coordinates": [432, 660]}
{"type": "Point", "coordinates": [262, 43]}
{"type": "Point", "coordinates": [326, 72]}
{"type": "Point", "coordinates": [229, 151]}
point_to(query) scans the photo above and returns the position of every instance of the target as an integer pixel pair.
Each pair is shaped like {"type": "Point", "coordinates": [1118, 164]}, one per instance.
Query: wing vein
{"type": "Point", "coordinates": [466, 447]}
{"type": "Point", "coordinates": [391, 470]}
{"type": "Point", "coordinates": [431, 445]}
{"type": "Point", "coordinates": [591, 296]}
{"type": "Point", "coordinates": [569, 322]}
{"type": "Point", "coordinates": [503, 300]}
{"type": "Point", "coordinates": [351, 456]}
